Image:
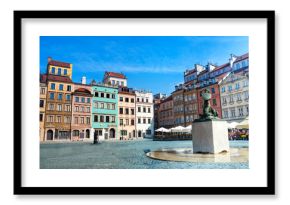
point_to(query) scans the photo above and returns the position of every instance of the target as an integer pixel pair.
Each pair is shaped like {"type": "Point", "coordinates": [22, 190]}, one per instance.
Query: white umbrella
{"type": "Point", "coordinates": [177, 129]}
{"type": "Point", "coordinates": [188, 128]}
{"type": "Point", "coordinates": [232, 124]}
{"type": "Point", "coordinates": [244, 124]}
{"type": "Point", "coordinates": [162, 129]}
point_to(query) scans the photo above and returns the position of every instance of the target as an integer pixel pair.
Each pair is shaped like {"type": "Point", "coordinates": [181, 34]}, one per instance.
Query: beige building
{"type": "Point", "coordinates": [42, 104]}
{"type": "Point", "coordinates": [113, 78]}
{"type": "Point", "coordinates": [127, 113]}
{"type": "Point", "coordinates": [144, 114]}
{"type": "Point", "coordinates": [234, 91]}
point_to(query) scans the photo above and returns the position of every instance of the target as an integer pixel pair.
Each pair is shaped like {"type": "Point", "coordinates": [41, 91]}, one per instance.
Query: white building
{"type": "Point", "coordinates": [118, 79]}
{"type": "Point", "coordinates": [144, 114]}
{"type": "Point", "coordinates": [234, 91]}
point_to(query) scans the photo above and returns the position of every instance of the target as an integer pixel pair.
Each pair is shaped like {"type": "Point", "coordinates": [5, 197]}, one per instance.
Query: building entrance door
{"type": "Point", "coordinates": [49, 135]}
{"type": "Point", "coordinates": [112, 133]}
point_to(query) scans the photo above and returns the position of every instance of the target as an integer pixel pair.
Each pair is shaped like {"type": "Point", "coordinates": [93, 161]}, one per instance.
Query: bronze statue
{"type": "Point", "coordinates": [208, 111]}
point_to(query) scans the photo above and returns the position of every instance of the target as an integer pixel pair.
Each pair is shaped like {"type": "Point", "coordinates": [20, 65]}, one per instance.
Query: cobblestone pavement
{"type": "Point", "coordinates": [122, 155]}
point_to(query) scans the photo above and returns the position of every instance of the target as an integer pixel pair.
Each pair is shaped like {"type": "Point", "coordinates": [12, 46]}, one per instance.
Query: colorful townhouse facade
{"type": "Point", "coordinates": [105, 111]}
{"type": "Point", "coordinates": [127, 113]}
{"type": "Point", "coordinates": [42, 105]}
{"type": "Point", "coordinates": [112, 78]}
{"type": "Point", "coordinates": [58, 107]}
{"type": "Point", "coordinates": [81, 112]}
{"type": "Point", "coordinates": [165, 117]}
{"type": "Point", "coordinates": [144, 114]}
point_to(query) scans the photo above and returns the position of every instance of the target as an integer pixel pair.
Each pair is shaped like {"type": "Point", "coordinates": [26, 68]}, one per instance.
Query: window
{"type": "Point", "coordinates": [53, 70]}
{"type": "Point", "coordinates": [229, 88]}
{"type": "Point", "coordinates": [41, 103]}
{"type": "Point", "coordinates": [139, 109]}
{"type": "Point", "coordinates": [88, 100]}
{"type": "Point", "coordinates": [149, 110]}
{"type": "Point", "coordinates": [132, 100]}
{"type": "Point", "coordinates": [50, 118]}
{"type": "Point", "coordinates": [113, 119]}
{"type": "Point", "coordinates": [126, 99]}
{"type": "Point", "coordinates": [77, 99]}
{"type": "Point", "coordinates": [122, 83]}
{"type": "Point", "coordinates": [113, 106]}
{"type": "Point", "coordinates": [237, 86]}
{"type": "Point", "coordinates": [147, 100]}
{"type": "Point", "coordinates": [76, 133]}
{"type": "Point", "coordinates": [113, 96]}
{"type": "Point", "coordinates": [107, 118]}
{"type": "Point", "coordinates": [82, 109]}
{"type": "Point", "coordinates": [76, 120]}
{"type": "Point", "coordinates": [88, 109]}
{"type": "Point", "coordinates": [67, 97]}
{"type": "Point", "coordinates": [127, 121]}
{"type": "Point", "coordinates": [142, 99]}
{"type": "Point", "coordinates": [137, 99]}
{"type": "Point", "coordinates": [76, 108]}
{"type": "Point", "coordinates": [139, 120]}
{"type": "Point", "coordinates": [113, 82]}
{"type": "Point", "coordinates": [65, 71]}
{"type": "Point", "coordinates": [52, 86]}
{"type": "Point", "coordinates": [83, 100]}
{"type": "Point", "coordinates": [245, 83]}
{"type": "Point", "coordinates": [58, 119]}
{"type": "Point", "coordinates": [233, 112]}
{"type": "Point", "coordinates": [95, 118]}
{"type": "Point", "coordinates": [144, 121]}
{"type": "Point", "coordinates": [132, 122]}
{"type": "Point", "coordinates": [66, 119]}
{"type": "Point", "coordinates": [132, 111]}
{"type": "Point", "coordinates": [60, 86]}
{"type": "Point", "coordinates": [51, 107]}
{"type": "Point", "coordinates": [51, 96]}
{"type": "Point", "coordinates": [82, 120]}
{"type": "Point", "coordinates": [108, 106]}
{"type": "Point", "coordinates": [223, 89]}
{"type": "Point", "coordinates": [149, 121]}
{"type": "Point", "coordinates": [102, 105]}
{"type": "Point", "coordinates": [59, 107]}
{"type": "Point", "coordinates": [41, 117]}
{"type": "Point", "coordinates": [96, 94]}
{"type": "Point", "coordinates": [144, 109]}
{"type": "Point", "coordinates": [239, 98]}
{"type": "Point", "coordinates": [107, 95]}
{"type": "Point", "coordinates": [101, 118]}
{"type": "Point", "coordinates": [67, 108]}
{"type": "Point", "coordinates": [127, 111]}
{"type": "Point", "coordinates": [68, 88]}
{"type": "Point", "coordinates": [42, 90]}
{"type": "Point", "coordinates": [231, 99]}
{"type": "Point", "coordinates": [59, 71]}
{"type": "Point", "coordinates": [214, 101]}
{"type": "Point", "coordinates": [226, 114]}
{"type": "Point", "coordinates": [59, 97]}
{"type": "Point", "coordinates": [88, 120]}
{"type": "Point", "coordinates": [121, 121]}
{"type": "Point", "coordinates": [120, 110]}
{"type": "Point", "coordinates": [241, 113]}
{"type": "Point", "coordinates": [102, 95]}
{"type": "Point", "coordinates": [121, 99]}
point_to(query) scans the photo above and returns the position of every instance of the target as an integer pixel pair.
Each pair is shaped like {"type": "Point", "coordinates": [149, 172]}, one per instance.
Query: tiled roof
{"type": "Point", "coordinates": [65, 79]}
{"type": "Point", "coordinates": [167, 99]}
{"type": "Point", "coordinates": [116, 75]}
{"type": "Point", "coordinates": [82, 91]}
{"type": "Point", "coordinates": [58, 63]}
{"type": "Point", "coordinates": [242, 57]}
{"type": "Point", "coordinates": [221, 66]}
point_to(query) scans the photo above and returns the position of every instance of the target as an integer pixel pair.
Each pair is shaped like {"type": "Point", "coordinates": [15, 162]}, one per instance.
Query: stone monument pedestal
{"type": "Point", "coordinates": [210, 136]}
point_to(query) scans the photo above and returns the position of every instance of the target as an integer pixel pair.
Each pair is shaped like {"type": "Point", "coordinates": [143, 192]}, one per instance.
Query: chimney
{"type": "Point", "coordinates": [84, 80]}
{"type": "Point", "coordinates": [49, 59]}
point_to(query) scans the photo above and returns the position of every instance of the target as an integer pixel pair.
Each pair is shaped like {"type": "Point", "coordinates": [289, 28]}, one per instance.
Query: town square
{"type": "Point", "coordinates": [125, 105]}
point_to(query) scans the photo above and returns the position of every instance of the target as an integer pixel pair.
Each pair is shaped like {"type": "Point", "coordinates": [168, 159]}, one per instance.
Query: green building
{"type": "Point", "coordinates": [105, 111]}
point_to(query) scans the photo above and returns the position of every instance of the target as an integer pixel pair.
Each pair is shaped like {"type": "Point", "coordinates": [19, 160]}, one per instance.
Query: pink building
{"type": "Point", "coordinates": [81, 112]}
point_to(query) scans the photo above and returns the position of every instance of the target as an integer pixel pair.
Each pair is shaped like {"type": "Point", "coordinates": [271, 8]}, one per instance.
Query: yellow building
{"type": "Point", "coordinates": [59, 68]}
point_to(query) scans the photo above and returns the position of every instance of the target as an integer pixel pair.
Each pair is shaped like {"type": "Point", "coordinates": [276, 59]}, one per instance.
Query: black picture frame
{"type": "Point", "coordinates": [268, 190]}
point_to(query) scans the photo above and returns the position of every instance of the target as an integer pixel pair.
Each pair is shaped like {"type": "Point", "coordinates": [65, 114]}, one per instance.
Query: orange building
{"type": "Point", "coordinates": [165, 113]}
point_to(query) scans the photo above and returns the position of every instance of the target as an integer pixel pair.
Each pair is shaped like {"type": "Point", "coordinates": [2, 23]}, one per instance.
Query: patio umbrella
{"type": "Point", "coordinates": [232, 124]}
{"type": "Point", "coordinates": [162, 129]}
{"type": "Point", "coordinates": [244, 124]}
{"type": "Point", "coordinates": [177, 129]}
{"type": "Point", "coordinates": [188, 129]}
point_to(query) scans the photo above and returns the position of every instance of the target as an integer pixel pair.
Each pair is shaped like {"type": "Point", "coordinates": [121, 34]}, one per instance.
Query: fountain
{"type": "Point", "coordinates": [209, 141]}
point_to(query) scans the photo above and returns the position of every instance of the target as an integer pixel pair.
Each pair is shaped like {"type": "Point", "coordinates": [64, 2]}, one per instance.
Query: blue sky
{"type": "Point", "coordinates": [154, 63]}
